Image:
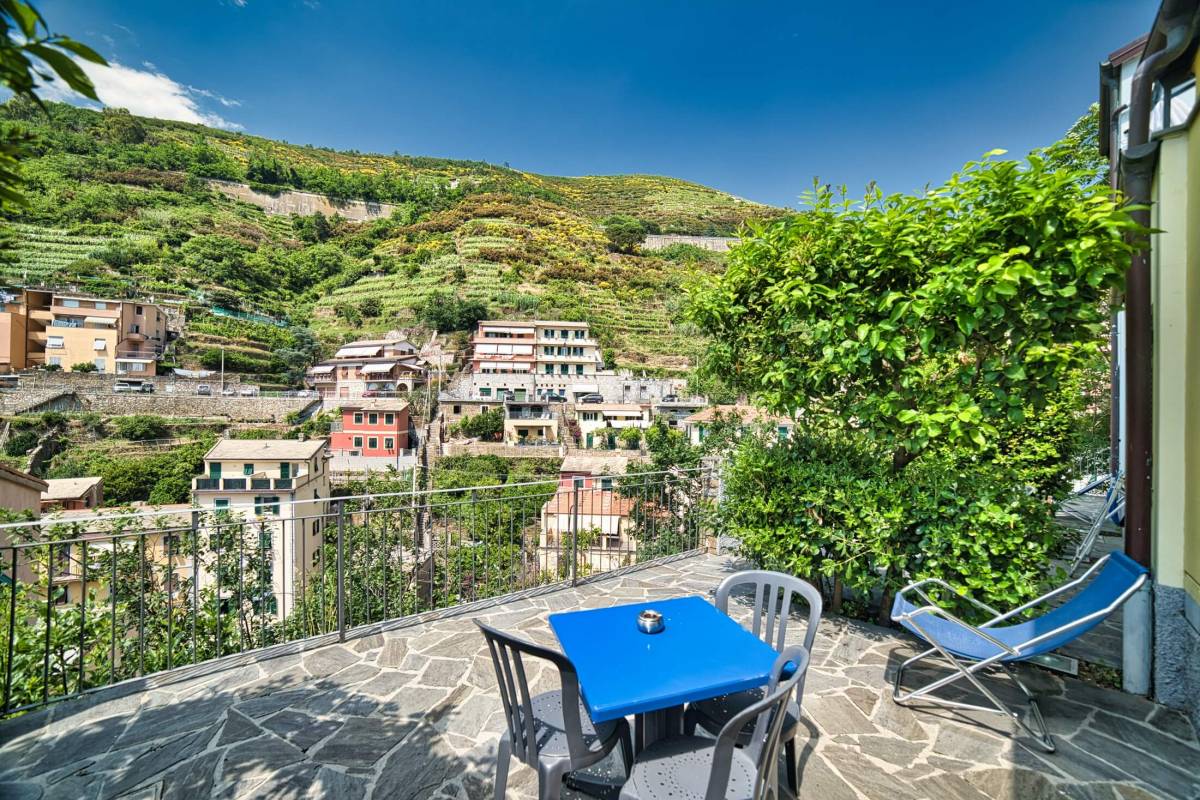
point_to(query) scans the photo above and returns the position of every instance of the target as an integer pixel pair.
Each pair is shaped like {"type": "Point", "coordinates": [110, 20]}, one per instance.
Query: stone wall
{"type": "Point", "coordinates": [234, 409]}
{"type": "Point", "coordinates": [473, 448]}
{"type": "Point", "coordinates": [303, 203]}
{"type": "Point", "coordinates": [1177, 650]}
{"type": "Point", "coordinates": [718, 244]}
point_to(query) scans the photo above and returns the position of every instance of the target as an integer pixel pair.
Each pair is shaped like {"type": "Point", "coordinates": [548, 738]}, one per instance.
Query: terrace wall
{"type": "Point", "coordinates": [238, 409]}
{"type": "Point", "coordinates": [303, 203]}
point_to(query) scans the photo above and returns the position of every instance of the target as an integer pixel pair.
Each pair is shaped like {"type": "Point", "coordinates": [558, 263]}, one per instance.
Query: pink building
{"type": "Point", "coordinates": [376, 428]}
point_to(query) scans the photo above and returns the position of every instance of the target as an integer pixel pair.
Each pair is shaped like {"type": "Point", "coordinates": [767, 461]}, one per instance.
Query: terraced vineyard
{"type": "Point", "coordinates": [134, 218]}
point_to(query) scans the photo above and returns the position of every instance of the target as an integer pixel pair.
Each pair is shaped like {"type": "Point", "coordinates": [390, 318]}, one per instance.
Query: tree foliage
{"type": "Point", "coordinates": [929, 348]}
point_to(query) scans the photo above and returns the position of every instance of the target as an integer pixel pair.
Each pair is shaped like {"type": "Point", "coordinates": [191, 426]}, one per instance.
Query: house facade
{"type": "Point", "coordinates": [368, 368]}
{"type": "Point", "coordinates": [600, 424]}
{"type": "Point", "coordinates": [280, 488]}
{"type": "Point", "coordinates": [47, 328]}
{"type": "Point", "coordinates": [604, 520]}
{"type": "Point", "coordinates": [374, 428]}
{"type": "Point", "coordinates": [529, 423]}
{"type": "Point", "coordinates": [538, 358]}
{"type": "Point", "coordinates": [73, 494]}
{"type": "Point", "coordinates": [697, 426]}
{"type": "Point", "coordinates": [1148, 129]}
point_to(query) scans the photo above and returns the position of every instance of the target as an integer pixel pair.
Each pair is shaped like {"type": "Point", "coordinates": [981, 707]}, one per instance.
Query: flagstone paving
{"type": "Point", "coordinates": [413, 713]}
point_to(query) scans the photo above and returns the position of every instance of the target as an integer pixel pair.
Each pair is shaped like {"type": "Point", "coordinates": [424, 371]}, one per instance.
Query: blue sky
{"type": "Point", "coordinates": [754, 98]}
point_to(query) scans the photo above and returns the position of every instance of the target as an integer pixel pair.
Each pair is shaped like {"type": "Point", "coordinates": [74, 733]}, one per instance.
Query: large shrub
{"type": "Point", "coordinates": [927, 346]}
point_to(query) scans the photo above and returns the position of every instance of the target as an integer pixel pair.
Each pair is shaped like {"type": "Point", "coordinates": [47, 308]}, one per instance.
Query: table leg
{"type": "Point", "coordinates": [602, 780]}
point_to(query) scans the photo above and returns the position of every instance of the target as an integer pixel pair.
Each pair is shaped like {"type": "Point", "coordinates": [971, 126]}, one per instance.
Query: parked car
{"type": "Point", "coordinates": [10, 381]}
{"type": "Point", "coordinates": [249, 391]}
{"type": "Point", "coordinates": [592, 398]}
{"type": "Point", "coordinates": [204, 389]}
{"type": "Point", "coordinates": [227, 391]}
{"type": "Point", "coordinates": [670, 398]}
{"type": "Point", "coordinates": [132, 386]}
{"type": "Point", "coordinates": [556, 398]}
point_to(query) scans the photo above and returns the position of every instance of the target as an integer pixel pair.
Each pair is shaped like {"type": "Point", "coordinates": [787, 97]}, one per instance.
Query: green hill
{"type": "Point", "coordinates": [119, 206]}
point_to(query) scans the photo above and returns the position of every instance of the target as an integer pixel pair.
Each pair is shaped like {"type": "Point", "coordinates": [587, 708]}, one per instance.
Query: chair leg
{"type": "Point", "coordinates": [793, 779]}
{"type": "Point", "coordinates": [550, 778]}
{"type": "Point", "coordinates": [689, 723]}
{"type": "Point", "coordinates": [626, 748]}
{"type": "Point", "coordinates": [503, 757]}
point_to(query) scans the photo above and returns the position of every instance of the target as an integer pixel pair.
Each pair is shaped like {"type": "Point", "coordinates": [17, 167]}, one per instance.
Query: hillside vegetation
{"type": "Point", "coordinates": [119, 206]}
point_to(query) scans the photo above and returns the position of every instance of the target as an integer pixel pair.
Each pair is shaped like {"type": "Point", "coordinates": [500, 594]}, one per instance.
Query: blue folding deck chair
{"type": "Point", "coordinates": [973, 649]}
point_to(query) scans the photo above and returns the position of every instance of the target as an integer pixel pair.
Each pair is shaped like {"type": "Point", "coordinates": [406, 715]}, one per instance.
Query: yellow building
{"type": "Point", "coordinates": [282, 484]}
{"type": "Point", "coordinates": [1148, 104]}
{"type": "Point", "coordinates": [44, 328]}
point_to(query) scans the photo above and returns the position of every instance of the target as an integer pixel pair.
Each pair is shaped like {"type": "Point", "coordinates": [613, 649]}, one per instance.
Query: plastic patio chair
{"type": "Point", "coordinates": [773, 593]}
{"type": "Point", "coordinates": [970, 650]}
{"type": "Point", "coordinates": [552, 731]}
{"type": "Point", "coordinates": [695, 767]}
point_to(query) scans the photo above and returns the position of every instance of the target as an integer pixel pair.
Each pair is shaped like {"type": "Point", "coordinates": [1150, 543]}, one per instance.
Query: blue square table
{"type": "Point", "coordinates": [700, 653]}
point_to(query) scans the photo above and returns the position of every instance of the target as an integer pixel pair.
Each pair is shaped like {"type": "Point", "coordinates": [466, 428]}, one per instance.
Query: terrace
{"type": "Point", "coordinates": [350, 666]}
{"type": "Point", "coordinates": [412, 711]}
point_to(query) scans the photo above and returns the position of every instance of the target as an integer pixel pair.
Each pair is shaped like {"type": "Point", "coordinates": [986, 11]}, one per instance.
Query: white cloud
{"type": "Point", "coordinates": [145, 92]}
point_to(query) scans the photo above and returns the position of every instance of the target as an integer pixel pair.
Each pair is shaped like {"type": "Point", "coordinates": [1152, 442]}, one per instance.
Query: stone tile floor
{"type": "Point", "coordinates": [413, 713]}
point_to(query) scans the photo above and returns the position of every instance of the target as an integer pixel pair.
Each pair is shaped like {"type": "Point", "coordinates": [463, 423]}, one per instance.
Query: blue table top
{"type": "Point", "coordinates": [701, 653]}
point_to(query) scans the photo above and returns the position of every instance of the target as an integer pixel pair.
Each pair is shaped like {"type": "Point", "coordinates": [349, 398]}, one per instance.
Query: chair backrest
{"type": "Point", "coordinates": [768, 716]}
{"type": "Point", "coordinates": [773, 593]}
{"type": "Point", "coordinates": [508, 654]}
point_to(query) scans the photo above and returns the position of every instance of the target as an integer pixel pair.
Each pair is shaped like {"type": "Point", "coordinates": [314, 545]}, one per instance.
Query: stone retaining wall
{"type": "Point", "coordinates": [718, 244]}
{"type": "Point", "coordinates": [471, 448]}
{"type": "Point", "coordinates": [235, 409]}
{"type": "Point", "coordinates": [303, 203]}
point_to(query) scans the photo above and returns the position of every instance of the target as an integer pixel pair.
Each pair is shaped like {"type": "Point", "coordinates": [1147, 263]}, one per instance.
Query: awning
{"type": "Point", "coordinates": [584, 388]}
{"type": "Point", "coordinates": [358, 352]}
{"type": "Point", "coordinates": [109, 321]}
{"type": "Point", "coordinates": [99, 344]}
{"type": "Point", "coordinates": [373, 369]}
{"type": "Point", "coordinates": [136, 360]}
{"type": "Point", "coordinates": [321, 369]}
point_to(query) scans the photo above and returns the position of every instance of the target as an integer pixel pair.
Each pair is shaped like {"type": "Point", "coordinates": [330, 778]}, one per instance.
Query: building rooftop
{"type": "Point", "coordinates": [376, 404]}
{"type": "Point", "coordinates": [593, 502]}
{"type": "Point", "coordinates": [626, 407]}
{"type": "Point", "coordinates": [744, 413]}
{"type": "Point", "coordinates": [269, 449]}
{"type": "Point", "coordinates": [595, 464]}
{"type": "Point", "coordinates": [413, 711]}
{"type": "Point", "coordinates": [13, 475]}
{"type": "Point", "coordinates": [69, 488]}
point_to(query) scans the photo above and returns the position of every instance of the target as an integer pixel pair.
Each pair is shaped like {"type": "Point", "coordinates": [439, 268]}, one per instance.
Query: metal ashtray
{"type": "Point", "coordinates": [650, 621]}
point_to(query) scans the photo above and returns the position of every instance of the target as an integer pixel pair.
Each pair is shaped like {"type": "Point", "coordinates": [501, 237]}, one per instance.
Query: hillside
{"type": "Point", "coordinates": [119, 206]}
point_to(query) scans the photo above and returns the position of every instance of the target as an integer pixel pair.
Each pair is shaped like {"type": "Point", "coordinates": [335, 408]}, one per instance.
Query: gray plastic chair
{"type": "Point", "coordinates": [552, 731]}
{"type": "Point", "coordinates": [694, 767]}
{"type": "Point", "coordinates": [773, 593]}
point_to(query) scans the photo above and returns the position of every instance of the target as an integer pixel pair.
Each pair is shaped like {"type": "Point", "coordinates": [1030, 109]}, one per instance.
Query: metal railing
{"type": "Point", "coordinates": [90, 602]}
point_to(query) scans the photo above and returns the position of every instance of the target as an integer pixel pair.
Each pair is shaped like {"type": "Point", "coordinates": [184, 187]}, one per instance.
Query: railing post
{"type": "Point", "coordinates": [578, 484]}
{"type": "Point", "coordinates": [341, 571]}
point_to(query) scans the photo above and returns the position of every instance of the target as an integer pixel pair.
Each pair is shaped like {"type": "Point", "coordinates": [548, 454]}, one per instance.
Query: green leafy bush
{"type": "Point", "coordinates": [487, 425]}
{"type": "Point", "coordinates": [140, 427]}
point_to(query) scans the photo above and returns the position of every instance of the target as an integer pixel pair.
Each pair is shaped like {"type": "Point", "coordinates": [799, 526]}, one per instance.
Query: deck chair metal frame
{"type": "Point", "coordinates": [919, 619]}
{"type": "Point", "coordinates": [1112, 507]}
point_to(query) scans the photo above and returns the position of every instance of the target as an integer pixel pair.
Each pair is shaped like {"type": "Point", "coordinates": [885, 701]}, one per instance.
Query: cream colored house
{"type": "Point", "coordinates": [119, 337]}
{"type": "Point", "coordinates": [698, 425]}
{"type": "Point", "coordinates": [1154, 143]}
{"type": "Point", "coordinates": [605, 521]}
{"type": "Point", "coordinates": [529, 423]}
{"type": "Point", "coordinates": [601, 423]}
{"type": "Point", "coordinates": [281, 485]}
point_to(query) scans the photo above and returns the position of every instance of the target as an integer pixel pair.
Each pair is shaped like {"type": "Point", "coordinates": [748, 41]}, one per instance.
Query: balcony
{"type": "Point", "coordinates": [410, 703]}
{"type": "Point", "coordinates": [219, 484]}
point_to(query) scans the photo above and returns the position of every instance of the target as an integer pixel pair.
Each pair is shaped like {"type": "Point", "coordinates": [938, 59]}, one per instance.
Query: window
{"type": "Point", "coordinates": [579, 334]}
{"type": "Point", "coordinates": [100, 306]}
{"type": "Point", "coordinates": [266, 505]}
{"type": "Point", "coordinates": [316, 559]}
{"type": "Point", "coordinates": [548, 351]}
{"type": "Point", "coordinates": [389, 443]}
{"type": "Point", "coordinates": [372, 419]}
{"type": "Point", "coordinates": [138, 310]}
{"type": "Point", "coordinates": [214, 470]}
{"type": "Point", "coordinates": [285, 470]}
{"type": "Point", "coordinates": [69, 303]}
{"type": "Point", "coordinates": [358, 441]}
{"type": "Point", "coordinates": [783, 431]}
{"type": "Point", "coordinates": [389, 419]}
{"type": "Point", "coordinates": [99, 344]}
{"type": "Point", "coordinates": [220, 503]}
{"type": "Point", "coordinates": [606, 483]}
{"type": "Point", "coordinates": [485, 392]}
{"type": "Point", "coordinates": [135, 328]}
{"type": "Point", "coordinates": [54, 341]}
{"type": "Point", "coordinates": [458, 409]}
{"type": "Point", "coordinates": [579, 369]}
{"type": "Point", "coordinates": [172, 544]}
{"type": "Point", "coordinates": [564, 369]}
{"type": "Point", "coordinates": [373, 443]}
{"type": "Point", "coordinates": [100, 363]}
{"type": "Point", "coordinates": [358, 418]}
{"type": "Point", "coordinates": [549, 369]}
{"type": "Point", "coordinates": [55, 360]}
{"type": "Point", "coordinates": [589, 416]}
{"type": "Point", "coordinates": [247, 469]}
